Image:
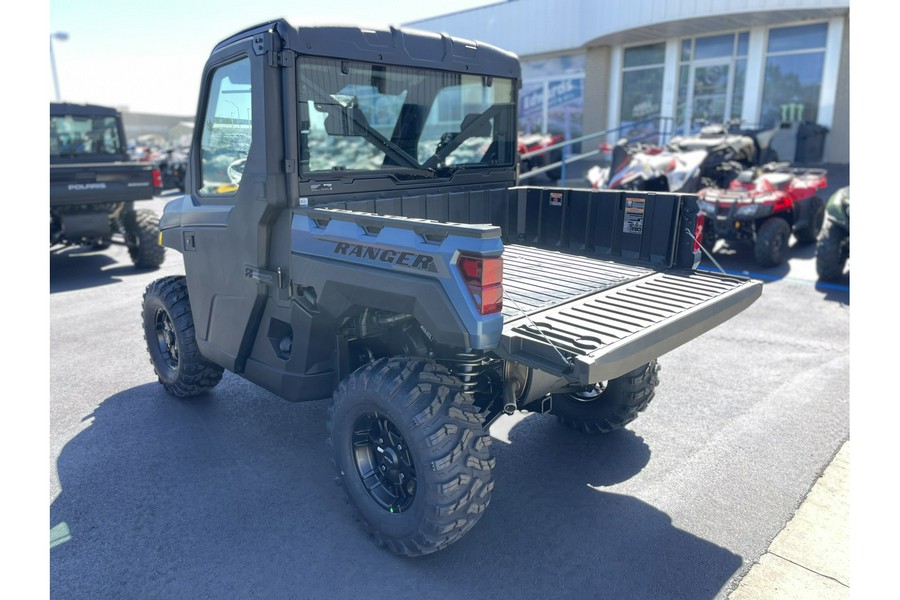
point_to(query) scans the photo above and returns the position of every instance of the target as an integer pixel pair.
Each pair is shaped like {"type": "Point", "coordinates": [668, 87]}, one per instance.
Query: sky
{"type": "Point", "coordinates": [149, 56]}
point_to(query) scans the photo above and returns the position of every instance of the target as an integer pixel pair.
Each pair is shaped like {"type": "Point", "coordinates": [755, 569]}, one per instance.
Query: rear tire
{"type": "Point", "coordinates": [772, 242]}
{"type": "Point", "coordinates": [141, 231]}
{"type": "Point", "coordinates": [606, 408]}
{"type": "Point", "coordinates": [169, 334]}
{"type": "Point", "coordinates": [556, 172]}
{"type": "Point", "coordinates": [411, 454]}
{"type": "Point", "coordinates": [830, 256]}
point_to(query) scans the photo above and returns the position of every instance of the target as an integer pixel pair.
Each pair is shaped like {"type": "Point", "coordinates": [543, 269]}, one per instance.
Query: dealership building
{"type": "Point", "coordinates": [604, 65]}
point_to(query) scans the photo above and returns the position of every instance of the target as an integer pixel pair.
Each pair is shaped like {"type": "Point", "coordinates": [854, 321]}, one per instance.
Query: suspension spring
{"type": "Point", "coordinates": [468, 366]}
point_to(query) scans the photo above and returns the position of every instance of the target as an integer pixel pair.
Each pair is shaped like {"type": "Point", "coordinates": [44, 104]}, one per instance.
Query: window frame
{"type": "Point", "coordinates": [822, 50]}
{"type": "Point", "coordinates": [196, 157]}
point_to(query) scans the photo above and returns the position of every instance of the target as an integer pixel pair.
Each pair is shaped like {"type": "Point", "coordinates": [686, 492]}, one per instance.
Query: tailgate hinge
{"type": "Point", "coordinates": [264, 276]}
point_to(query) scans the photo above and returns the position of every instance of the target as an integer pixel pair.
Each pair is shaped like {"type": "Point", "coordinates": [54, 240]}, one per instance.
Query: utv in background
{"type": "Point", "coordinates": [94, 185]}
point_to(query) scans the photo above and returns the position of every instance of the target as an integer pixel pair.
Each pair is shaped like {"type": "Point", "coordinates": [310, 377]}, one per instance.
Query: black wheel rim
{"type": "Point", "coordinates": [384, 462]}
{"type": "Point", "coordinates": [778, 244]}
{"type": "Point", "coordinates": [165, 339]}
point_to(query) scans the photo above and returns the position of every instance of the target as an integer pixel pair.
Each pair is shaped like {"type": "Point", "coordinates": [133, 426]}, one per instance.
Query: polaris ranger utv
{"type": "Point", "coordinates": [352, 228]}
{"type": "Point", "coordinates": [94, 185]}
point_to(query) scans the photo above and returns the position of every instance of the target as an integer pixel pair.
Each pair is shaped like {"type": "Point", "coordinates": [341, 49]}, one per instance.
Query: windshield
{"type": "Point", "coordinates": [72, 136]}
{"type": "Point", "coordinates": [365, 117]}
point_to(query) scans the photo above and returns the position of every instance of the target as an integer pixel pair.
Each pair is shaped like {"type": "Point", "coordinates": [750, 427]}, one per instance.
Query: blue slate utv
{"type": "Point", "coordinates": [352, 228]}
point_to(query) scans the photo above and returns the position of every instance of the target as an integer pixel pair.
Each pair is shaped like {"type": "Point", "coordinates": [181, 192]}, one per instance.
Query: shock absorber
{"type": "Point", "coordinates": [468, 366]}
{"type": "Point", "coordinates": [478, 374]}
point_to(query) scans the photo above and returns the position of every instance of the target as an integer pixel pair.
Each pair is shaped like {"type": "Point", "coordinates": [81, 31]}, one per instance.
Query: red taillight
{"type": "Point", "coordinates": [698, 231]}
{"type": "Point", "coordinates": [157, 178]}
{"type": "Point", "coordinates": [484, 279]}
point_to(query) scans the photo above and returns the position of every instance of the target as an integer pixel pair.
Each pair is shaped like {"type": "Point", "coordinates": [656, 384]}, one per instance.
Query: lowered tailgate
{"type": "Point", "coordinates": [593, 320]}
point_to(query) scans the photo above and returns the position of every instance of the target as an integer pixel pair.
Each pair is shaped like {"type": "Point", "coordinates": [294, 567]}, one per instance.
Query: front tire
{"type": "Point", "coordinates": [610, 406]}
{"type": "Point", "coordinates": [141, 230]}
{"type": "Point", "coordinates": [411, 454]}
{"type": "Point", "coordinates": [169, 334]}
{"type": "Point", "coordinates": [772, 241]}
{"type": "Point", "coordinates": [830, 254]}
{"type": "Point", "coordinates": [709, 234]}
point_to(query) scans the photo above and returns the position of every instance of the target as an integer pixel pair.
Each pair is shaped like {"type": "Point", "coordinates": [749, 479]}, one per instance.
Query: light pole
{"type": "Point", "coordinates": [61, 36]}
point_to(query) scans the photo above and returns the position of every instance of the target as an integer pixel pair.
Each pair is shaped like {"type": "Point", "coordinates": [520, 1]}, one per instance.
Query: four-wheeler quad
{"type": "Point", "coordinates": [713, 157]}
{"type": "Point", "coordinates": [764, 206]}
{"type": "Point", "coordinates": [533, 153]}
{"type": "Point", "coordinates": [833, 246]}
{"type": "Point", "coordinates": [652, 168]}
{"type": "Point", "coordinates": [358, 233]}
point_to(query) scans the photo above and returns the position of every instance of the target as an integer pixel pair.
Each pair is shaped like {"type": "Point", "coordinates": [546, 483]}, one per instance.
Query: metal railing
{"type": "Point", "coordinates": [660, 128]}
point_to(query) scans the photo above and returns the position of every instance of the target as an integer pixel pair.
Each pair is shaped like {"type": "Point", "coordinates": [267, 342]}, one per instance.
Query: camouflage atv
{"type": "Point", "coordinates": [833, 245]}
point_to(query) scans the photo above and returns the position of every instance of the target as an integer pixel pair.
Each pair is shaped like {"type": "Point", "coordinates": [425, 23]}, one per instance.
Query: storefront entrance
{"type": "Point", "coordinates": [709, 92]}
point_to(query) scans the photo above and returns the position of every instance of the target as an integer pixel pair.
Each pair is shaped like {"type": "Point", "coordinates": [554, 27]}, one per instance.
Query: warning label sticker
{"type": "Point", "coordinates": [634, 215]}
{"type": "Point", "coordinates": [556, 199]}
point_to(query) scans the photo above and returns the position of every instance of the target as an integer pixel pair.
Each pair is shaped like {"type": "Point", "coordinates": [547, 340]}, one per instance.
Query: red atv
{"type": "Point", "coordinates": [765, 206]}
{"type": "Point", "coordinates": [534, 142]}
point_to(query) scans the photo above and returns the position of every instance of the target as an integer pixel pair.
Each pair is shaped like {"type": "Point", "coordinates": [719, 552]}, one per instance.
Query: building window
{"type": "Point", "coordinates": [711, 79]}
{"type": "Point", "coordinates": [531, 108]}
{"type": "Point", "coordinates": [642, 83]}
{"type": "Point", "coordinates": [795, 60]}
{"type": "Point", "coordinates": [552, 96]}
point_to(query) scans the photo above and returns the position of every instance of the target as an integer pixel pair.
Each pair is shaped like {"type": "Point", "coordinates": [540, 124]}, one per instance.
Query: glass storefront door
{"type": "Point", "coordinates": [710, 92]}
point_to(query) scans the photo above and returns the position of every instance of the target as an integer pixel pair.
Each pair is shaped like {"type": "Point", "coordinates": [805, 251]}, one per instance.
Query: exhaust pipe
{"type": "Point", "coordinates": [509, 397]}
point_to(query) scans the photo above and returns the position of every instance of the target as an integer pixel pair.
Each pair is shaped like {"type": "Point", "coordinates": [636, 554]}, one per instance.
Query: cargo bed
{"type": "Point", "coordinates": [596, 282]}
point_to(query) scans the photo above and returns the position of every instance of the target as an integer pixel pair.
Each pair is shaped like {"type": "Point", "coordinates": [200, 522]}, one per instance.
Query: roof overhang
{"type": "Point", "coordinates": [708, 25]}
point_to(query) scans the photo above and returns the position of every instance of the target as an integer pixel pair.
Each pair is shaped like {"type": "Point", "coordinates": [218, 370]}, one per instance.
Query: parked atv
{"type": "Point", "coordinates": [764, 206]}
{"type": "Point", "coordinates": [711, 158]}
{"type": "Point", "coordinates": [652, 168]}
{"type": "Point", "coordinates": [531, 143]}
{"type": "Point", "coordinates": [833, 245]}
{"type": "Point", "coordinates": [725, 144]}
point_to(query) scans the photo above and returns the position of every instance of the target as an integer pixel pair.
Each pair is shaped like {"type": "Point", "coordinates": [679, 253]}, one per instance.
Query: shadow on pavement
{"type": "Point", "coordinates": [80, 268]}
{"type": "Point", "coordinates": [737, 256]}
{"type": "Point", "coordinates": [231, 496]}
{"type": "Point", "coordinates": [837, 290]}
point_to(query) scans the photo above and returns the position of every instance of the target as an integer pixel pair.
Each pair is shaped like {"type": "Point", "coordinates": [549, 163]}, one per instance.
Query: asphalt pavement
{"type": "Point", "coordinates": [232, 495]}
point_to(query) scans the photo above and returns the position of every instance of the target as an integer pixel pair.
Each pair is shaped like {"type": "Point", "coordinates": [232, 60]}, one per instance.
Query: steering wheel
{"type": "Point", "coordinates": [236, 170]}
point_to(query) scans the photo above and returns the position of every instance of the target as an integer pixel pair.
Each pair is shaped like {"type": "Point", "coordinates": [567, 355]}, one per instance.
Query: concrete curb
{"type": "Point", "coordinates": [810, 558]}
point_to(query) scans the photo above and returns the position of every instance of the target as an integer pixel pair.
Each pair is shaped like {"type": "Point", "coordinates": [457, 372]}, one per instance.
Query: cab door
{"type": "Point", "coordinates": [235, 195]}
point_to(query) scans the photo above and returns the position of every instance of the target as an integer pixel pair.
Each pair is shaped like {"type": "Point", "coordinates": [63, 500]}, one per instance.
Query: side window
{"type": "Point", "coordinates": [227, 129]}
